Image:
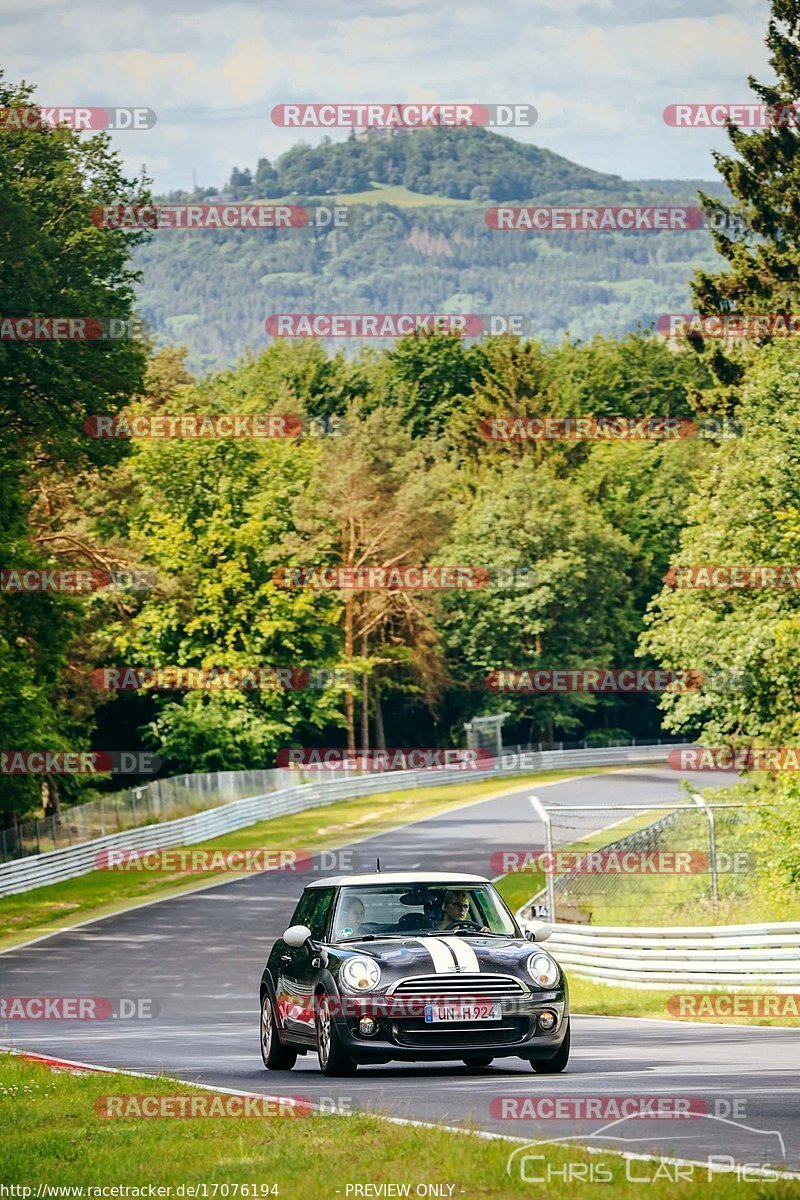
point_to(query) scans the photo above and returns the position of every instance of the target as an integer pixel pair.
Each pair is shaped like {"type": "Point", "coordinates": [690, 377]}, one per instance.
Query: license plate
{"type": "Point", "coordinates": [435, 1013]}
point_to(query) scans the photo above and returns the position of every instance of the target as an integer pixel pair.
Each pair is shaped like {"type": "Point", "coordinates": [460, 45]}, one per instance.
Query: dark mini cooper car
{"type": "Point", "coordinates": [413, 967]}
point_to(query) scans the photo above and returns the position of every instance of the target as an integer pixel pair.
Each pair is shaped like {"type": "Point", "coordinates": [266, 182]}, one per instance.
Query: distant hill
{"type": "Point", "coordinates": [457, 163]}
{"type": "Point", "coordinates": [427, 249]}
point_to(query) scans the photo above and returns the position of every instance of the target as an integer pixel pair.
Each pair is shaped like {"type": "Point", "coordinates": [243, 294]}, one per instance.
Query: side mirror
{"type": "Point", "coordinates": [297, 936]}
{"type": "Point", "coordinates": [538, 932]}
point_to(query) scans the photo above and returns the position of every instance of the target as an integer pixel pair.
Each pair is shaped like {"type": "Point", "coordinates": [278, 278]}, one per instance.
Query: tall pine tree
{"type": "Point", "coordinates": [758, 233]}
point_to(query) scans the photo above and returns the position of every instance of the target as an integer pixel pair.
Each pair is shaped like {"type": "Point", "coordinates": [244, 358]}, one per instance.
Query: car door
{"type": "Point", "coordinates": [297, 973]}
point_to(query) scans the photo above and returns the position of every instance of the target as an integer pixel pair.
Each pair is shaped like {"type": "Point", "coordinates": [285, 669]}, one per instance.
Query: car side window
{"type": "Point", "coordinates": [322, 908]}
{"type": "Point", "coordinates": [313, 909]}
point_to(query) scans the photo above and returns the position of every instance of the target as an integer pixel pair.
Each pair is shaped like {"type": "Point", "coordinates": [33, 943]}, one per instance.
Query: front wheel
{"type": "Point", "coordinates": [333, 1058]}
{"type": "Point", "coordinates": [556, 1064]}
{"type": "Point", "coordinates": [276, 1057]}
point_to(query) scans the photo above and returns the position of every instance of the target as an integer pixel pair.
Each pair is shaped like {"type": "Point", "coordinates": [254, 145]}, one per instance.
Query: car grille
{"type": "Point", "coordinates": [489, 986]}
{"type": "Point", "coordinates": [487, 1034]}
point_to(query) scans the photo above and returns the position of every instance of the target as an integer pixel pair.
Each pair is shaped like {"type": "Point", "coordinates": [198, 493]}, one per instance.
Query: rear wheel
{"type": "Point", "coordinates": [333, 1058]}
{"type": "Point", "coordinates": [475, 1061]}
{"type": "Point", "coordinates": [276, 1057]}
{"type": "Point", "coordinates": [556, 1064]}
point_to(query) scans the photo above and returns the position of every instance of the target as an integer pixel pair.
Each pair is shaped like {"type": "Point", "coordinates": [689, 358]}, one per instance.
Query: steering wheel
{"type": "Point", "coordinates": [463, 925]}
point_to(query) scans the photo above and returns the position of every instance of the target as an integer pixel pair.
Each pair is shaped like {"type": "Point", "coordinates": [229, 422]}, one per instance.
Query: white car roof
{"type": "Point", "coordinates": [446, 877]}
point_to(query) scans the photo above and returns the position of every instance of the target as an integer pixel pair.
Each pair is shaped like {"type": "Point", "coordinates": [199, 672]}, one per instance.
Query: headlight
{"type": "Point", "coordinates": [360, 974]}
{"type": "Point", "coordinates": [542, 969]}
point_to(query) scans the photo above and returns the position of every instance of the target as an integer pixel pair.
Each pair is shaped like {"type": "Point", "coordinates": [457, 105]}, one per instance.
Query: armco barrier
{"type": "Point", "coordinates": [37, 870]}
{"type": "Point", "coordinates": [706, 955]}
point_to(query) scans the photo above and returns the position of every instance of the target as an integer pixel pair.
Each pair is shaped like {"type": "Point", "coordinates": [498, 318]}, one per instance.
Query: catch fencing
{"type": "Point", "coordinates": [720, 842]}
{"type": "Point", "coordinates": [290, 796]}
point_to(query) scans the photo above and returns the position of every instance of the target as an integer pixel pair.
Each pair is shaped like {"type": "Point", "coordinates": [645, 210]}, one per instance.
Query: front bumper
{"type": "Point", "coordinates": [410, 1038]}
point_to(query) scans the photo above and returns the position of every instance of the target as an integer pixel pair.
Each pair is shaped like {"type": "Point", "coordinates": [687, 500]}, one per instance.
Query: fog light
{"type": "Point", "coordinates": [366, 1026]}
{"type": "Point", "coordinates": [547, 1020]}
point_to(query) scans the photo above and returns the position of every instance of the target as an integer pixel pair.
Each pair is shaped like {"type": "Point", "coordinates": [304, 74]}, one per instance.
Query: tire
{"type": "Point", "coordinates": [275, 1056]}
{"type": "Point", "coordinates": [333, 1058]}
{"type": "Point", "coordinates": [556, 1064]}
{"type": "Point", "coordinates": [476, 1061]}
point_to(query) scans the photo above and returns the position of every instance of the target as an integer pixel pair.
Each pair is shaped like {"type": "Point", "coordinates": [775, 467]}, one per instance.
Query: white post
{"type": "Point", "coordinates": [544, 817]}
{"type": "Point", "coordinates": [712, 846]}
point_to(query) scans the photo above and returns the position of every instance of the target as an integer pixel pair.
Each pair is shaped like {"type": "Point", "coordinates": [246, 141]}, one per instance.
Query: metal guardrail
{"type": "Point", "coordinates": [160, 800]}
{"type": "Point", "coordinates": [717, 955]}
{"type": "Point", "coordinates": [165, 799]}
{"type": "Point", "coordinates": [53, 866]}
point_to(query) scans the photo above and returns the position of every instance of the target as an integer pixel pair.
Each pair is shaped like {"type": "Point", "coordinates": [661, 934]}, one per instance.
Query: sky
{"type": "Point", "coordinates": [599, 72]}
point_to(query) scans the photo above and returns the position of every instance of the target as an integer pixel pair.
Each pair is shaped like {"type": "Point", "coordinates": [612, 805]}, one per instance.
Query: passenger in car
{"type": "Point", "coordinates": [351, 917]}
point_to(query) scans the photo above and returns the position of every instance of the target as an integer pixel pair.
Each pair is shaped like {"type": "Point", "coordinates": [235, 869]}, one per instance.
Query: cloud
{"type": "Point", "coordinates": [599, 72]}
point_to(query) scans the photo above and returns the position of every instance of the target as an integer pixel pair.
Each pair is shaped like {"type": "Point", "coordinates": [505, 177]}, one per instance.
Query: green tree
{"type": "Point", "coordinates": [54, 262]}
{"type": "Point", "coordinates": [567, 606]}
{"type": "Point", "coordinates": [746, 511]}
{"type": "Point", "coordinates": [758, 233]}
{"type": "Point", "coordinates": [379, 497]}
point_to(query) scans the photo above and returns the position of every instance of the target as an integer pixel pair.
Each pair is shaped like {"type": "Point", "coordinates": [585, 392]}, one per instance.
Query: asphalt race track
{"type": "Point", "coordinates": [200, 957]}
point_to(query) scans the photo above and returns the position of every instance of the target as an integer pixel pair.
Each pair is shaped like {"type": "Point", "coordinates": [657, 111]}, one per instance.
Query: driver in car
{"type": "Point", "coordinates": [455, 911]}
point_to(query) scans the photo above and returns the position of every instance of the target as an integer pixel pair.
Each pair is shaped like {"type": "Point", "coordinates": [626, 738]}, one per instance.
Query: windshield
{"type": "Point", "coordinates": [420, 908]}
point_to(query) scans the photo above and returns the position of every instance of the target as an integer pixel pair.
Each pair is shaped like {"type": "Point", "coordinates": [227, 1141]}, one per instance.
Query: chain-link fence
{"type": "Point", "coordinates": [161, 800]}
{"type": "Point", "coordinates": [627, 864]}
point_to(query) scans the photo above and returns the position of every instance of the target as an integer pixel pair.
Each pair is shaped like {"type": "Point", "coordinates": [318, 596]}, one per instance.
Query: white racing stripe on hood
{"type": "Point", "coordinates": [463, 953]}
{"type": "Point", "coordinates": [444, 961]}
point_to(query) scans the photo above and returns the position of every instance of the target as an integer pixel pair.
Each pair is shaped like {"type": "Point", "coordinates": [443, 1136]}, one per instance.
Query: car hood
{"type": "Point", "coordinates": [444, 954]}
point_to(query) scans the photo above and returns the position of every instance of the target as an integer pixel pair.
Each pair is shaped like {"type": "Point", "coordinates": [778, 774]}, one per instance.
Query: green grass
{"type": "Point", "coordinates": [53, 1134]}
{"type": "Point", "coordinates": [609, 1000]}
{"type": "Point", "coordinates": [332, 826]}
{"type": "Point", "coordinates": [518, 887]}
{"type": "Point", "coordinates": [383, 193]}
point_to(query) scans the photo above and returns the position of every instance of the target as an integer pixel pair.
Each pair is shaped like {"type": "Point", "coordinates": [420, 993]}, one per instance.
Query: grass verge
{"type": "Point", "coordinates": [57, 1136]}
{"type": "Point", "coordinates": [608, 1000]}
{"type": "Point", "coordinates": [46, 909]}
